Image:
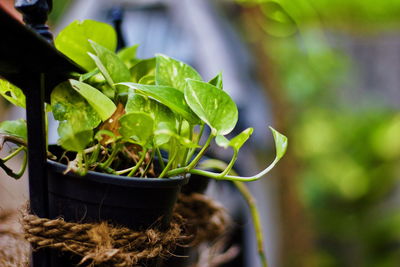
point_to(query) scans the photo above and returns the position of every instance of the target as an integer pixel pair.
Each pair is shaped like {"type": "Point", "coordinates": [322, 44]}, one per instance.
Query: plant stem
{"type": "Point", "coordinates": [160, 158]}
{"type": "Point", "coordinates": [251, 202]}
{"type": "Point", "coordinates": [230, 165]}
{"type": "Point", "coordinates": [200, 154]}
{"type": "Point", "coordinates": [134, 170]}
{"type": "Point", "coordinates": [110, 159]}
{"type": "Point", "coordinates": [189, 156]}
{"type": "Point", "coordinates": [185, 155]}
{"type": "Point", "coordinates": [216, 176]}
{"type": "Point", "coordinates": [168, 166]}
{"type": "Point", "coordinates": [148, 164]}
{"type": "Point", "coordinates": [13, 154]}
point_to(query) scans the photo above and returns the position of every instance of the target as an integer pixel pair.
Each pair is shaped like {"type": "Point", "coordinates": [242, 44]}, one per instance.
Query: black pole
{"type": "Point", "coordinates": [35, 16]}
{"type": "Point", "coordinates": [38, 191]}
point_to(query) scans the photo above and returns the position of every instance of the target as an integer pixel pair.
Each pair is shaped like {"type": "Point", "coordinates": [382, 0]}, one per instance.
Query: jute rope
{"type": "Point", "coordinates": [196, 219]}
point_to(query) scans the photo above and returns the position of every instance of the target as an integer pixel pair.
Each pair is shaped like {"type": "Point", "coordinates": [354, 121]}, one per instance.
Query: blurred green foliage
{"type": "Point", "coordinates": [348, 149]}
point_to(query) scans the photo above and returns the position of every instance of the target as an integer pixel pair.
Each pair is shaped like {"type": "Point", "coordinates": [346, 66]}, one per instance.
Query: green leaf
{"type": "Point", "coordinates": [173, 73]}
{"type": "Point", "coordinates": [145, 67]}
{"type": "Point", "coordinates": [111, 66]}
{"type": "Point", "coordinates": [15, 128]}
{"type": "Point", "coordinates": [74, 136]}
{"type": "Point", "coordinates": [137, 125]}
{"type": "Point", "coordinates": [237, 142]}
{"type": "Point", "coordinates": [212, 105]}
{"type": "Point", "coordinates": [73, 40]}
{"type": "Point", "coordinates": [169, 97]}
{"type": "Point", "coordinates": [148, 79]}
{"type": "Point", "coordinates": [12, 93]}
{"type": "Point", "coordinates": [67, 104]}
{"type": "Point", "coordinates": [101, 103]}
{"type": "Point", "coordinates": [186, 142]}
{"type": "Point", "coordinates": [128, 55]}
{"type": "Point", "coordinates": [163, 117]}
{"type": "Point", "coordinates": [281, 143]}
{"type": "Point", "coordinates": [217, 81]}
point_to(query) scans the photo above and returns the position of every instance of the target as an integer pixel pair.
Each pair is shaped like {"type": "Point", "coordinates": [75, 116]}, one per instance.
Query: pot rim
{"type": "Point", "coordinates": [120, 180]}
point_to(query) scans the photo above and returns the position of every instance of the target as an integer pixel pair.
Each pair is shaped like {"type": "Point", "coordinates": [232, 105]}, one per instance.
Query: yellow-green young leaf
{"type": "Point", "coordinates": [217, 81]}
{"type": "Point", "coordinates": [281, 143]}
{"type": "Point", "coordinates": [137, 126]}
{"type": "Point", "coordinates": [74, 136]}
{"type": "Point", "coordinates": [163, 117]}
{"type": "Point", "coordinates": [73, 40]}
{"type": "Point", "coordinates": [167, 96]}
{"type": "Point", "coordinates": [173, 73]}
{"type": "Point", "coordinates": [128, 55]}
{"type": "Point", "coordinates": [67, 104]}
{"type": "Point", "coordinates": [111, 66]}
{"type": "Point", "coordinates": [15, 128]}
{"type": "Point", "coordinates": [99, 102]}
{"type": "Point", "coordinates": [145, 67]}
{"type": "Point", "coordinates": [12, 93]}
{"type": "Point", "coordinates": [212, 105]}
{"type": "Point", "coordinates": [237, 142]}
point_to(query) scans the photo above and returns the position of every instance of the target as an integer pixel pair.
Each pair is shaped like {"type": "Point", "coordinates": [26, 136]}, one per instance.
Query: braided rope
{"type": "Point", "coordinates": [196, 219]}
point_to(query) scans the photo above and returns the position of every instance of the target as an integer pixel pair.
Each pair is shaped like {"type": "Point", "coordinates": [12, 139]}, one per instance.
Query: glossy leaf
{"type": "Point", "coordinates": [237, 142]}
{"type": "Point", "coordinates": [128, 55]}
{"type": "Point", "coordinates": [186, 142]}
{"type": "Point", "coordinates": [12, 93]}
{"type": "Point", "coordinates": [281, 143]}
{"type": "Point", "coordinates": [169, 97]}
{"type": "Point", "coordinates": [111, 66]}
{"type": "Point", "coordinates": [212, 105]}
{"type": "Point", "coordinates": [101, 103]}
{"type": "Point", "coordinates": [217, 81]}
{"type": "Point", "coordinates": [67, 104]}
{"type": "Point", "coordinates": [138, 126]}
{"type": "Point", "coordinates": [74, 136]}
{"type": "Point", "coordinates": [163, 117]}
{"type": "Point", "coordinates": [73, 40]}
{"type": "Point", "coordinates": [15, 128]}
{"type": "Point", "coordinates": [173, 73]}
{"type": "Point", "coordinates": [145, 67]}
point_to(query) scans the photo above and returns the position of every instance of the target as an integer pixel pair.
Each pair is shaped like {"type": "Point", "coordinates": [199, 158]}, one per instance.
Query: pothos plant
{"type": "Point", "coordinates": [125, 112]}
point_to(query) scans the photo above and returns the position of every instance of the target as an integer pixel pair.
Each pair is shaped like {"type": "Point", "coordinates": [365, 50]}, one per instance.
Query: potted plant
{"type": "Point", "coordinates": [117, 120]}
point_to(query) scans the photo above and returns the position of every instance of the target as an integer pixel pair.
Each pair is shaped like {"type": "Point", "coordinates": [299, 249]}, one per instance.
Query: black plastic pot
{"type": "Point", "coordinates": [136, 203]}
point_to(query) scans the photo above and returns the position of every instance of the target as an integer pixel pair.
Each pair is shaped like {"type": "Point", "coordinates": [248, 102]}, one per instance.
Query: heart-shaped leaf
{"type": "Point", "coordinates": [74, 136]}
{"type": "Point", "coordinates": [67, 104]}
{"type": "Point", "coordinates": [15, 128]}
{"type": "Point", "coordinates": [101, 103]}
{"type": "Point", "coordinates": [163, 117]}
{"type": "Point", "coordinates": [111, 66]}
{"type": "Point", "coordinates": [212, 105]}
{"type": "Point", "coordinates": [138, 126]}
{"type": "Point", "coordinates": [169, 97]}
{"type": "Point", "coordinates": [237, 142]}
{"type": "Point", "coordinates": [281, 143]}
{"type": "Point", "coordinates": [217, 81]}
{"type": "Point", "coordinates": [128, 55]}
{"type": "Point", "coordinates": [12, 93]}
{"type": "Point", "coordinates": [173, 73]}
{"type": "Point", "coordinates": [73, 40]}
{"type": "Point", "coordinates": [145, 67]}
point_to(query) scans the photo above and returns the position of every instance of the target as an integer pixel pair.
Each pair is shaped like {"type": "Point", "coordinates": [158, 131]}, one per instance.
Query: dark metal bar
{"type": "Point", "coordinates": [23, 51]}
{"type": "Point", "coordinates": [38, 190]}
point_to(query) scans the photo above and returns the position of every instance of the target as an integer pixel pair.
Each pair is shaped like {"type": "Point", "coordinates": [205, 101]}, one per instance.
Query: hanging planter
{"type": "Point", "coordinates": [114, 122]}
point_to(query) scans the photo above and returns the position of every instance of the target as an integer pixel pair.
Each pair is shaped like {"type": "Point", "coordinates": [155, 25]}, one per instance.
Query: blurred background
{"type": "Point", "coordinates": [324, 73]}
